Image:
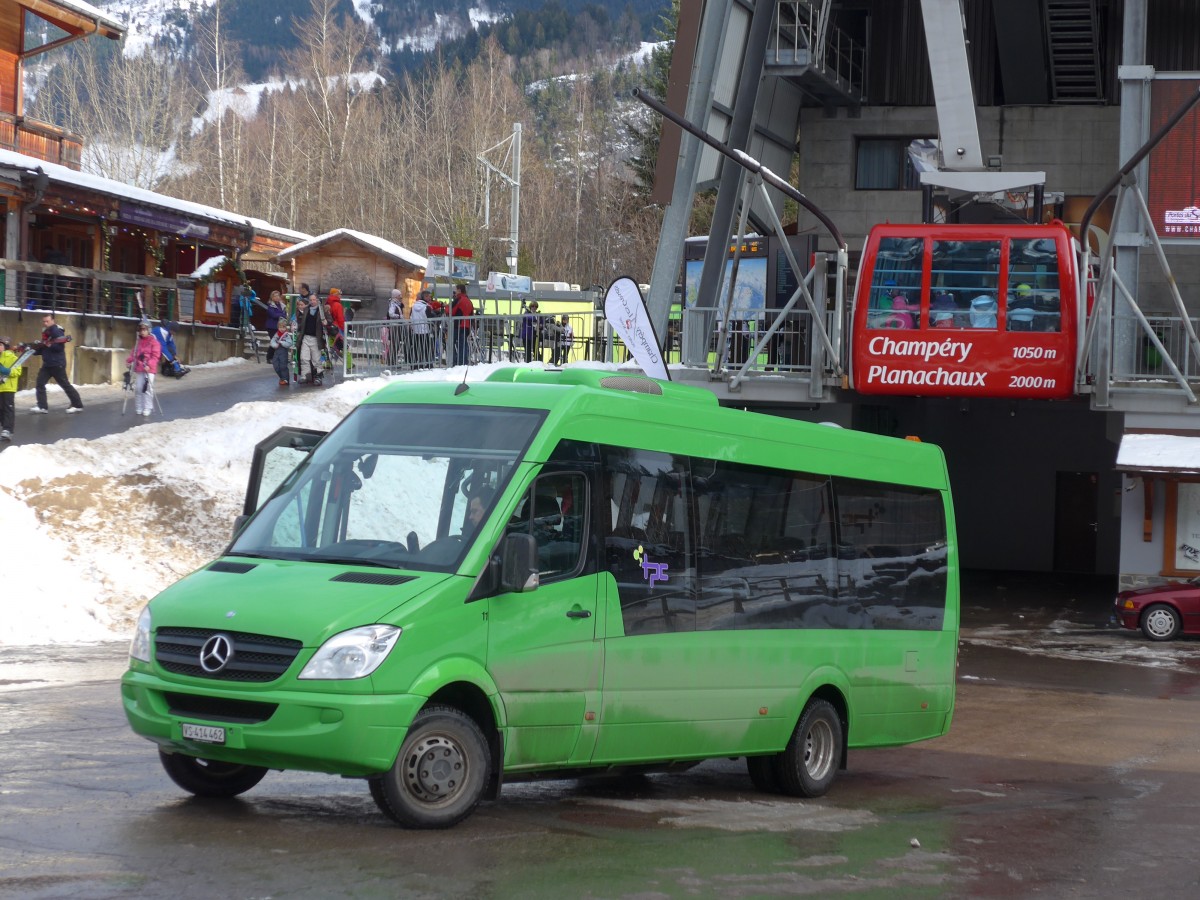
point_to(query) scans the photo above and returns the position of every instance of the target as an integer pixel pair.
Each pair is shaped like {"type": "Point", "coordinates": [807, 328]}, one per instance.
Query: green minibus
{"type": "Point", "coordinates": [557, 573]}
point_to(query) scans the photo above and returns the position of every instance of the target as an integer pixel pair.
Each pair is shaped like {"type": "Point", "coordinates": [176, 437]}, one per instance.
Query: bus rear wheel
{"type": "Point", "coordinates": [809, 762]}
{"type": "Point", "coordinates": [440, 772]}
{"type": "Point", "coordinates": [762, 773]}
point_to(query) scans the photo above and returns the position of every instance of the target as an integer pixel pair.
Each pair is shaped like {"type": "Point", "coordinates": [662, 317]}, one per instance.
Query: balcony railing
{"type": "Point", "coordinates": [40, 140]}
{"type": "Point", "coordinates": [44, 286]}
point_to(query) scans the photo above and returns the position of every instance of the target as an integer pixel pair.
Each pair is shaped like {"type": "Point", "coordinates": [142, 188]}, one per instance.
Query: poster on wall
{"type": "Point", "coordinates": [1187, 527]}
{"type": "Point", "coordinates": [1173, 194]}
{"type": "Point", "coordinates": [214, 299]}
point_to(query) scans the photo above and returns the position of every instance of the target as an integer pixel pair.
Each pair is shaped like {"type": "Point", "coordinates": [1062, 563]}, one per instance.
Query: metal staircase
{"type": "Point", "coordinates": [823, 60]}
{"type": "Point", "coordinates": [1073, 43]}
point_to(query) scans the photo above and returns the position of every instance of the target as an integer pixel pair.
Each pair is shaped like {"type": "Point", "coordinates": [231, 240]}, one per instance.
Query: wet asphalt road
{"type": "Point", "coordinates": [203, 391]}
{"type": "Point", "coordinates": [1072, 770]}
{"type": "Point", "coordinates": [1059, 778]}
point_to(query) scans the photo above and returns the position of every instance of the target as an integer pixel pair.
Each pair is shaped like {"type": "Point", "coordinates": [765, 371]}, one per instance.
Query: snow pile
{"type": "Point", "coordinates": [95, 528]}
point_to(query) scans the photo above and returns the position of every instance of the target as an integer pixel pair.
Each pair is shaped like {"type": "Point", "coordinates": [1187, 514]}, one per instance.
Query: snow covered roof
{"type": "Point", "coordinates": [208, 267]}
{"type": "Point", "coordinates": [1166, 453]}
{"type": "Point", "coordinates": [387, 248]}
{"type": "Point", "coordinates": [87, 11]}
{"type": "Point", "coordinates": [101, 185]}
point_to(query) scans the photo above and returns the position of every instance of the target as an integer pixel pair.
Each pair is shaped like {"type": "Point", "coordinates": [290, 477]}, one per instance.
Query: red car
{"type": "Point", "coordinates": [1162, 612]}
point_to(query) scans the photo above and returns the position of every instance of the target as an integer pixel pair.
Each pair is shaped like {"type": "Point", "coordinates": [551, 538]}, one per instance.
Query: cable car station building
{"type": "Point", "coordinates": [949, 161]}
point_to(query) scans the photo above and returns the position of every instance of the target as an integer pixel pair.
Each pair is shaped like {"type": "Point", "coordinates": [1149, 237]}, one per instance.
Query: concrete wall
{"type": "Point", "coordinates": [96, 353]}
{"type": "Point", "coordinates": [1004, 459]}
{"type": "Point", "coordinates": [1077, 148]}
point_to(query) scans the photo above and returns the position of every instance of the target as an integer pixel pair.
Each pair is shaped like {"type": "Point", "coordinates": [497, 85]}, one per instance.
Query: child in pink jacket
{"type": "Point", "coordinates": [144, 361]}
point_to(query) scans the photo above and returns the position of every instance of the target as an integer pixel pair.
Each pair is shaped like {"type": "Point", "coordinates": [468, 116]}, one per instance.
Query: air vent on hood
{"type": "Point", "coordinates": [372, 578]}
{"type": "Point", "coordinates": [234, 568]}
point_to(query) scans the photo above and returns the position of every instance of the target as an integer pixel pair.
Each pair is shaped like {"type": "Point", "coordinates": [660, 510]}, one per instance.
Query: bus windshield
{"type": "Point", "coordinates": [393, 486]}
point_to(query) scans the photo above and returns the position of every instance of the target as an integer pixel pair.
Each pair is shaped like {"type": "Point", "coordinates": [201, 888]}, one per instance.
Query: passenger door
{"type": "Point", "coordinates": [542, 649]}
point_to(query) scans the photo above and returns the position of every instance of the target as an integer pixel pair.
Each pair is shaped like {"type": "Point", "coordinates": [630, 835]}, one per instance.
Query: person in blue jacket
{"type": "Point", "coordinates": [170, 356]}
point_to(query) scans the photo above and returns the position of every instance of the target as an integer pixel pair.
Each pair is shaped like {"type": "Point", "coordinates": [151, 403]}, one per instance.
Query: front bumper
{"type": "Point", "coordinates": [1127, 618]}
{"type": "Point", "coordinates": [341, 734]}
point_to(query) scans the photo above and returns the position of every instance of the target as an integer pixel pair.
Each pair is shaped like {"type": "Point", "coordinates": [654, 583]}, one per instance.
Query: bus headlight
{"type": "Point", "coordinates": [139, 647]}
{"type": "Point", "coordinates": [352, 654]}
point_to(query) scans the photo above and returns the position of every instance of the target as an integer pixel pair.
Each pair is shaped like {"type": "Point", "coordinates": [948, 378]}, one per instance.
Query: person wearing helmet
{"type": "Point", "coordinates": [1020, 309]}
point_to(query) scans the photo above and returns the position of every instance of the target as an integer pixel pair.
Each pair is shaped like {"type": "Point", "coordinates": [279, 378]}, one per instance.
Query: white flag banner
{"type": "Point", "coordinates": [625, 311]}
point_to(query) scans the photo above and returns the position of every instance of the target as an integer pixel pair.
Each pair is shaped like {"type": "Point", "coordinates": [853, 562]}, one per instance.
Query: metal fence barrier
{"type": "Point", "coordinates": [1147, 363]}
{"type": "Point", "coordinates": [400, 345]}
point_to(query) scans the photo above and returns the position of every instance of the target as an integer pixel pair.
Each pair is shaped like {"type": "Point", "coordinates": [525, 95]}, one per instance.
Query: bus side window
{"type": "Point", "coordinates": [892, 553]}
{"type": "Point", "coordinates": [649, 548]}
{"type": "Point", "coordinates": [555, 513]}
{"type": "Point", "coordinates": [767, 557]}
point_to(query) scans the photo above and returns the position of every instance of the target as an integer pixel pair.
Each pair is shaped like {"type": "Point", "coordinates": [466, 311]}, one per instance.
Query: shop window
{"type": "Point", "coordinates": [1181, 543]}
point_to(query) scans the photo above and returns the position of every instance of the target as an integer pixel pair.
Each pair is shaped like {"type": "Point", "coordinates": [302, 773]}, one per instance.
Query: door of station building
{"type": "Point", "coordinates": [1075, 521]}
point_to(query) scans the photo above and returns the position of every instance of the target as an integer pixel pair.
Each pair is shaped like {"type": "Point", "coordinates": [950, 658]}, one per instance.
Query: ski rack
{"type": "Point", "coordinates": [831, 338]}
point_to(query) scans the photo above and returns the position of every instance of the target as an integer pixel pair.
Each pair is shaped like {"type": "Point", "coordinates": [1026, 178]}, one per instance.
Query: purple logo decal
{"type": "Point", "coordinates": [651, 571]}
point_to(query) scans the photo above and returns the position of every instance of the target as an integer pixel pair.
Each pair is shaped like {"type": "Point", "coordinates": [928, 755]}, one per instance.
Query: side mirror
{"type": "Point", "coordinates": [239, 522]}
{"type": "Point", "coordinates": [518, 563]}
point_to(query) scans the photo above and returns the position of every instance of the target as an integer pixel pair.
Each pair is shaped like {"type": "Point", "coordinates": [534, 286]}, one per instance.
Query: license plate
{"type": "Point", "coordinates": [206, 734]}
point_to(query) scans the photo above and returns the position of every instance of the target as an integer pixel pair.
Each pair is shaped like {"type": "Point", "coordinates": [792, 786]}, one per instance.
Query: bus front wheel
{"type": "Point", "coordinates": [809, 762]}
{"type": "Point", "coordinates": [440, 773]}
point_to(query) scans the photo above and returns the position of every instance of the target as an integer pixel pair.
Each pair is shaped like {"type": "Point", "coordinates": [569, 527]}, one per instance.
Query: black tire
{"type": "Point", "coordinates": [440, 772]}
{"type": "Point", "coordinates": [1161, 622]}
{"type": "Point", "coordinates": [809, 763]}
{"type": "Point", "coordinates": [762, 773]}
{"type": "Point", "coordinates": [209, 777]}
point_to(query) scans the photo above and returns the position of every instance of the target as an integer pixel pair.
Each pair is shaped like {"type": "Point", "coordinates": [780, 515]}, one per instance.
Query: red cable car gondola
{"type": "Point", "coordinates": [966, 311]}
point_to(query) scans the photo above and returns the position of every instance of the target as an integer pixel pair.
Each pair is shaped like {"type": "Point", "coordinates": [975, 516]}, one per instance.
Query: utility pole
{"type": "Point", "coordinates": [512, 153]}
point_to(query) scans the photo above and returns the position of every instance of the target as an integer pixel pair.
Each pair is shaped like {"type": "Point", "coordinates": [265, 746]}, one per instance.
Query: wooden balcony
{"type": "Point", "coordinates": [40, 140]}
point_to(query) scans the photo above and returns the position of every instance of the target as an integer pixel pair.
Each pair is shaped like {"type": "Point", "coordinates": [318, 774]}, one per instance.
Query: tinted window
{"type": "Point", "coordinates": [648, 542]}
{"type": "Point", "coordinates": [892, 554]}
{"type": "Point", "coordinates": [705, 545]}
{"type": "Point", "coordinates": [766, 548]}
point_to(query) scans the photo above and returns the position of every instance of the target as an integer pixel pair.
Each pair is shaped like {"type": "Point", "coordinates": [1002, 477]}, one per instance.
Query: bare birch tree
{"type": "Point", "coordinates": [128, 110]}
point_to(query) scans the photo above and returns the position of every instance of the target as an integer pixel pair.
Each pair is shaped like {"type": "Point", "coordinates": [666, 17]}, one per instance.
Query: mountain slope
{"type": "Point", "coordinates": [407, 30]}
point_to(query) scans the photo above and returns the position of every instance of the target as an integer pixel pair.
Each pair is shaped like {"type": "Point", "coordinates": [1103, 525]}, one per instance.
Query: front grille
{"type": "Point", "coordinates": [256, 657]}
{"type": "Point", "coordinates": [219, 709]}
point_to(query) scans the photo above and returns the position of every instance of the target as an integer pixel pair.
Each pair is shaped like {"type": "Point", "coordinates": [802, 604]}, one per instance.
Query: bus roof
{"type": "Point", "coordinates": [610, 407]}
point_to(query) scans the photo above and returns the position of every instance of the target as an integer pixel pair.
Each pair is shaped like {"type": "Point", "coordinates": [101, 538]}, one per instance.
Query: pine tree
{"type": "Point", "coordinates": [645, 130]}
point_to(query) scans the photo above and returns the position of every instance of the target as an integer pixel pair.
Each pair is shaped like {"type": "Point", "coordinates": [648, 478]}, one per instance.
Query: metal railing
{"type": "Point", "coordinates": [803, 34]}
{"type": "Point", "coordinates": [788, 350]}
{"type": "Point", "coordinates": [1147, 362]}
{"type": "Point", "coordinates": [47, 286]}
{"type": "Point", "coordinates": [400, 345]}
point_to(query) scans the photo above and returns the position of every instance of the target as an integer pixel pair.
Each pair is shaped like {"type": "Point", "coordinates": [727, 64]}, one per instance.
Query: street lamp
{"type": "Point", "coordinates": [511, 261]}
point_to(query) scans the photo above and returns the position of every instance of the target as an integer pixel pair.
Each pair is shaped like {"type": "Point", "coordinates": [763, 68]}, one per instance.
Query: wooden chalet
{"type": "Point", "coordinates": [365, 268]}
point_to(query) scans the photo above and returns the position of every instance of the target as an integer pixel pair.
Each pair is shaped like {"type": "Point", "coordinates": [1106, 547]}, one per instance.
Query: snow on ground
{"type": "Point", "coordinates": [95, 528]}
